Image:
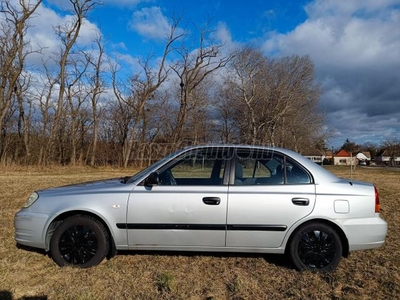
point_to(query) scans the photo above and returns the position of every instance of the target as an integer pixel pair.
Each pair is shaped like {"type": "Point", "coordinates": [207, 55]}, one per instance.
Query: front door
{"type": "Point", "coordinates": [188, 206]}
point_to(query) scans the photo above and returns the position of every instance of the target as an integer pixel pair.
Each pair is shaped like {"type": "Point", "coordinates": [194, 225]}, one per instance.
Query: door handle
{"type": "Point", "coordinates": [212, 200]}
{"type": "Point", "coordinates": [301, 201]}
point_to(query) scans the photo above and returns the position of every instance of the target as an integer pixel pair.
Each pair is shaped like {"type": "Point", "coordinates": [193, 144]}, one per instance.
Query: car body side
{"type": "Point", "coordinates": [348, 206]}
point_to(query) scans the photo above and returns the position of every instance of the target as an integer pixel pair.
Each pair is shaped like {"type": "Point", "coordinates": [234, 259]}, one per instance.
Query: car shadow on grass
{"type": "Point", "coordinates": [31, 249]}
{"type": "Point", "coordinates": [6, 295]}
{"type": "Point", "coordinates": [278, 260]}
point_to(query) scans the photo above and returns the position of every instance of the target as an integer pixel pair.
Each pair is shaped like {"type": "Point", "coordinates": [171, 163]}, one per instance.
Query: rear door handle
{"type": "Point", "coordinates": [301, 201]}
{"type": "Point", "coordinates": [212, 200]}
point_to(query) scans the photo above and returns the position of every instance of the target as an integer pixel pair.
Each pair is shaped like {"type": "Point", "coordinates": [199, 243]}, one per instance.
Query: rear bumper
{"type": "Point", "coordinates": [30, 228]}
{"type": "Point", "coordinates": [365, 233]}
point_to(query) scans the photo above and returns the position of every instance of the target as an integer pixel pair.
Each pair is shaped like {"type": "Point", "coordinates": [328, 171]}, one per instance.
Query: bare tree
{"type": "Point", "coordinates": [294, 119]}
{"type": "Point", "coordinates": [371, 148]}
{"type": "Point", "coordinates": [44, 95]}
{"type": "Point", "coordinates": [76, 96]}
{"type": "Point", "coordinates": [225, 113]}
{"type": "Point", "coordinates": [25, 105]}
{"type": "Point", "coordinates": [260, 100]}
{"type": "Point", "coordinates": [292, 95]}
{"type": "Point", "coordinates": [68, 34]}
{"type": "Point", "coordinates": [13, 51]}
{"type": "Point", "coordinates": [244, 84]}
{"type": "Point", "coordinates": [193, 67]}
{"type": "Point", "coordinates": [272, 102]}
{"type": "Point", "coordinates": [120, 112]}
{"type": "Point", "coordinates": [391, 148]}
{"type": "Point", "coordinates": [141, 89]}
{"type": "Point", "coordinates": [97, 88]}
{"type": "Point", "coordinates": [7, 141]}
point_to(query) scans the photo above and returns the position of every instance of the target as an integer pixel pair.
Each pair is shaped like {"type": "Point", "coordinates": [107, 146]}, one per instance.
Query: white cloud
{"type": "Point", "coordinates": [356, 49]}
{"type": "Point", "coordinates": [120, 45]}
{"type": "Point", "coordinates": [44, 37]}
{"type": "Point", "coordinates": [150, 23]}
{"type": "Point", "coordinates": [223, 35]}
{"type": "Point", "coordinates": [132, 62]}
{"type": "Point", "coordinates": [356, 42]}
{"type": "Point", "coordinates": [88, 33]}
{"type": "Point", "coordinates": [348, 8]}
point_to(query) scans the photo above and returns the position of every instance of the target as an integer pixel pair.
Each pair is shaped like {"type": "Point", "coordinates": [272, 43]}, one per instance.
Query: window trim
{"type": "Point", "coordinates": [234, 160]}
{"type": "Point", "coordinates": [302, 168]}
{"type": "Point", "coordinates": [176, 160]}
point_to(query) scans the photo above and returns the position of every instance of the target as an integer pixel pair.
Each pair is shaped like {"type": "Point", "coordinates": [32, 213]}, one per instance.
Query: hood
{"type": "Point", "coordinates": [98, 186]}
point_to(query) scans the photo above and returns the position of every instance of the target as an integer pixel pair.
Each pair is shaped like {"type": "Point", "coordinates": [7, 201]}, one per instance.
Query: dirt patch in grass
{"type": "Point", "coordinates": [371, 274]}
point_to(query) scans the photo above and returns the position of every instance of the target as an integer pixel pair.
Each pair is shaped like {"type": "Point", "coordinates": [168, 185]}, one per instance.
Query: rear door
{"type": "Point", "coordinates": [269, 193]}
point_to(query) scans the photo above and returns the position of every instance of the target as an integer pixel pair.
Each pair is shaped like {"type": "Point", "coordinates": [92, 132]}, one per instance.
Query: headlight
{"type": "Point", "coordinates": [32, 198]}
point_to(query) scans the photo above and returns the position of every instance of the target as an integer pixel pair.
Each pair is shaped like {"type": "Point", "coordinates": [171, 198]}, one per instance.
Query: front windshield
{"type": "Point", "coordinates": [154, 166]}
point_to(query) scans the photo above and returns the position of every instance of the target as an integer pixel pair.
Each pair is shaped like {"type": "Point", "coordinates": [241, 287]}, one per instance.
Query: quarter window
{"type": "Point", "coordinates": [267, 168]}
{"type": "Point", "coordinates": [295, 174]}
{"type": "Point", "coordinates": [258, 168]}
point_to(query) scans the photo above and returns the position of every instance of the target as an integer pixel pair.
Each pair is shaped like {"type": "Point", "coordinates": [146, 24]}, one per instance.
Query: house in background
{"type": "Point", "coordinates": [317, 156]}
{"type": "Point", "coordinates": [388, 157]}
{"type": "Point", "coordinates": [364, 156]}
{"type": "Point", "coordinates": [344, 158]}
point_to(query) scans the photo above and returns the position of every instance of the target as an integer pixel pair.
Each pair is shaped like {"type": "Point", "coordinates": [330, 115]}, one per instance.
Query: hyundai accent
{"type": "Point", "coordinates": [215, 198]}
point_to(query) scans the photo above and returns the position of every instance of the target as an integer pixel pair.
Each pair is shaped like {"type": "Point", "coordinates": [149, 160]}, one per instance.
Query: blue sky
{"type": "Point", "coordinates": [253, 18]}
{"type": "Point", "coordinates": [355, 45]}
{"type": "Point", "coordinates": [245, 22]}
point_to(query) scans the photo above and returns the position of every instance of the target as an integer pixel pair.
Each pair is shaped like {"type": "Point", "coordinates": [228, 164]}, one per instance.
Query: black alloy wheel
{"type": "Point", "coordinates": [316, 247]}
{"type": "Point", "coordinates": [80, 241]}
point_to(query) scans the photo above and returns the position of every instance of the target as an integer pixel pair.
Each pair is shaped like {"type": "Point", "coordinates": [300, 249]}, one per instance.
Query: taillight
{"type": "Point", "coordinates": [377, 203]}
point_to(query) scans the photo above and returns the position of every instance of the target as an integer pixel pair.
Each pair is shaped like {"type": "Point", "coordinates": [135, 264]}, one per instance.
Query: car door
{"type": "Point", "coordinates": [270, 192]}
{"type": "Point", "coordinates": [188, 206]}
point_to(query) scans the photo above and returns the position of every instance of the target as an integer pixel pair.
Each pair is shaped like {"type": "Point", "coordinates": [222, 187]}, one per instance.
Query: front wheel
{"type": "Point", "coordinates": [80, 241]}
{"type": "Point", "coordinates": [316, 247]}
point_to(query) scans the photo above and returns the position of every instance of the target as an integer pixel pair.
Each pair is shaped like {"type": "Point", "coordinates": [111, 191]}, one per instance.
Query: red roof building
{"type": "Point", "coordinates": [344, 158]}
{"type": "Point", "coordinates": [342, 153]}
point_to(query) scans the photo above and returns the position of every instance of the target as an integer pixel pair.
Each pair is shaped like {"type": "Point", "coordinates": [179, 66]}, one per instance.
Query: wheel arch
{"type": "Point", "coordinates": [337, 228]}
{"type": "Point", "coordinates": [60, 218]}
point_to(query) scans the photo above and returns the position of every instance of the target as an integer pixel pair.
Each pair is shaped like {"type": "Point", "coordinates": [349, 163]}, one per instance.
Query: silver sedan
{"type": "Point", "coordinates": [209, 198]}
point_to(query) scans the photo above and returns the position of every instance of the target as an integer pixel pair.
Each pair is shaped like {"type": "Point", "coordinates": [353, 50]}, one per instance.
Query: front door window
{"type": "Point", "coordinates": [198, 167]}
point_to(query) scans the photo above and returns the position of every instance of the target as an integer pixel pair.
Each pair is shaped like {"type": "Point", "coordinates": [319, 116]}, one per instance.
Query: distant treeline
{"type": "Point", "coordinates": [77, 107]}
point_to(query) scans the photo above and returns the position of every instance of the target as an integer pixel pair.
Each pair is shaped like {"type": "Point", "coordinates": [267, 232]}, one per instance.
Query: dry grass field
{"type": "Point", "coordinates": [372, 274]}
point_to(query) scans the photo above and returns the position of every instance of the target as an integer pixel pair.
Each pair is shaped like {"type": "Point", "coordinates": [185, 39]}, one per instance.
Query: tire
{"type": "Point", "coordinates": [80, 241]}
{"type": "Point", "coordinates": [315, 247]}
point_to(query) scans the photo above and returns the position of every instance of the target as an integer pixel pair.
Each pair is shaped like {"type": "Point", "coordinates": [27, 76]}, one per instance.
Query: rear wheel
{"type": "Point", "coordinates": [315, 246]}
{"type": "Point", "coordinates": [80, 241]}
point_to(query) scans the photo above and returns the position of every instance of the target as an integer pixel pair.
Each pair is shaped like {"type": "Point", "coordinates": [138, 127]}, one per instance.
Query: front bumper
{"type": "Point", "coordinates": [30, 228]}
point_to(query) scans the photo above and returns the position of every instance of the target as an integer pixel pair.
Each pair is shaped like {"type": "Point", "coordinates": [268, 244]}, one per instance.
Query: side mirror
{"type": "Point", "coordinates": [152, 179]}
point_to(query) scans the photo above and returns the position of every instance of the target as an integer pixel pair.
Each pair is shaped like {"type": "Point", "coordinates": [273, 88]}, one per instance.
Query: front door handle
{"type": "Point", "coordinates": [212, 200]}
{"type": "Point", "coordinates": [301, 201]}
